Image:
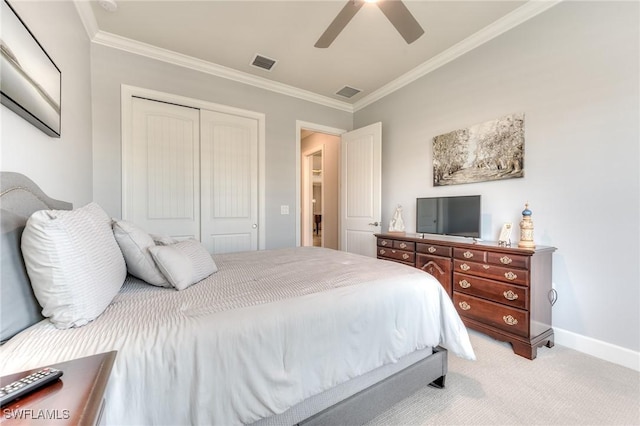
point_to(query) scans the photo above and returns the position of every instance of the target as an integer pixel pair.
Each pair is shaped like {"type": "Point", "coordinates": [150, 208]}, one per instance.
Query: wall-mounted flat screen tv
{"type": "Point", "coordinates": [459, 215]}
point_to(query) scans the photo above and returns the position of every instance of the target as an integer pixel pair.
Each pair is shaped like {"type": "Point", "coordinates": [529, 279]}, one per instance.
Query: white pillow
{"type": "Point", "coordinates": [134, 243]}
{"type": "Point", "coordinates": [163, 240]}
{"type": "Point", "coordinates": [184, 263]}
{"type": "Point", "coordinates": [74, 263]}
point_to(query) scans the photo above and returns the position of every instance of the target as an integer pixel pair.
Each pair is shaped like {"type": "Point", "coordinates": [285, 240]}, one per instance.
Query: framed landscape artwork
{"type": "Point", "coordinates": [487, 151]}
{"type": "Point", "coordinates": [31, 81]}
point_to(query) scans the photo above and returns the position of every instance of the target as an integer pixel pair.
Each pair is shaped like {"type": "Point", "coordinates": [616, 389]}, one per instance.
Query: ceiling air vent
{"type": "Point", "coordinates": [263, 62]}
{"type": "Point", "coordinates": [348, 92]}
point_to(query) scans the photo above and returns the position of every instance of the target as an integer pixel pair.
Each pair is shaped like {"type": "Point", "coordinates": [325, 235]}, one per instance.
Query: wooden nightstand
{"type": "Point", "coordinates": [76, 399]}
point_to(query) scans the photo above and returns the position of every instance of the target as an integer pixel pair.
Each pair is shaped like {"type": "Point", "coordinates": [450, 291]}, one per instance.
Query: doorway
{"type": "Point", "coordinates": [319, 189]}
{"type": "Point", "coordinates": [357, 177]}
{"type": "Point", "coordinates": [317, 196]}
{"type": "Point", "coordinates": [312, 197]}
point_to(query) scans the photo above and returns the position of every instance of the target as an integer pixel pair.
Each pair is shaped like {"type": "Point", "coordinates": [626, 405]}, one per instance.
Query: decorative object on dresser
{"type": "Point", "coordinates": [78, 397]}
{"type": "Point", "coordinates": [504, 292]}
{"type": "Point", "coordinates": [505, 235]}
{"type": "Point", "coordinates": [483, 152]}
{"type": "Point", "coordinates": [526, 229]}
{"type": "Point", "coordinates": [397, 223]}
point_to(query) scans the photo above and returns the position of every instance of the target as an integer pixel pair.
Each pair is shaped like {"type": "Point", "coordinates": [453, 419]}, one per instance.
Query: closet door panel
{"type": "Point", "coordinates": [229, 182]}
{"type": "Point", "coordinates": [161, 169]}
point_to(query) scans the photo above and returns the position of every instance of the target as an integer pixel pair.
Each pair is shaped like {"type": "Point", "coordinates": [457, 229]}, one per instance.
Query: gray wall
{"type": "Point", "coordinates": [61, 167]}
{"type": "Point", "coordinates": [573, 71]}
{"type": "Point", "coordinates": [110, 68]}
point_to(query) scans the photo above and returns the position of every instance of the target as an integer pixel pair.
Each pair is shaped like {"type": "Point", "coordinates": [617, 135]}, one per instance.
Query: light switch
{"type": "Point", "coordinates": [284, 209]}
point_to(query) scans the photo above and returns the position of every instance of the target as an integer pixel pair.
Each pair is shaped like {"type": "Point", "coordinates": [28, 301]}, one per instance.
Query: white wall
{"type": "Point", "coordinates": [573, 71]}
{"type": "Point", "coordinates": [111, 68]}
{"type": "Point", "coordinates": [61, 167]}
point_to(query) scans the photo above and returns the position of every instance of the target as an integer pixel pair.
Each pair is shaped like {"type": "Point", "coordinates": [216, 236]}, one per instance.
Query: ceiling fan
{"type": "Point", "coordinates": [395, 11]}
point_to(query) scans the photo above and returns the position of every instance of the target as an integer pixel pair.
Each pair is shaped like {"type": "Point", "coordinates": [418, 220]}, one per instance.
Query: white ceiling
{"type": "Point", "coordinates": [223, 37]}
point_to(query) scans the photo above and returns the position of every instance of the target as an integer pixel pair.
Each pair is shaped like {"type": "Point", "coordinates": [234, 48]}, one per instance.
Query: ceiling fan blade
{"type": "Point", "coordinates": [346, 14]}
{"type": "Point", "coordinates": [398, 14]}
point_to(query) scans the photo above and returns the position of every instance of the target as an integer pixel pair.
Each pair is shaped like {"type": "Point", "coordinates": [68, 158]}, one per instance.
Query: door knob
{"type": "Point", "coordinates": [374, 224]}
{"type": "Point", "coordinates": [254, 226]}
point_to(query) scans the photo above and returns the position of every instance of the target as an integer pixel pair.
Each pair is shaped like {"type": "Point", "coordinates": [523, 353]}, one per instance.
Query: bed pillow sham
{"type": "Point", "coordinates": [134, 243]}
{"type": "Point", "coordinates": [184, 263]}
{"type": "Point", "coordinates": [163, 240]}
{"type": "Point", "coordinates": [74, 263]}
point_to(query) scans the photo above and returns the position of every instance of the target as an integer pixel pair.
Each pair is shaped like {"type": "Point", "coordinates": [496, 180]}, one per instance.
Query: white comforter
{"type": "Point", "coordinates": [266, 331]}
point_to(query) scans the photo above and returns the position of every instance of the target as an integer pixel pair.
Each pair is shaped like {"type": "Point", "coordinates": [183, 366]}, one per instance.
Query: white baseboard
{"type": "Point", "coordinates": [598, 348]}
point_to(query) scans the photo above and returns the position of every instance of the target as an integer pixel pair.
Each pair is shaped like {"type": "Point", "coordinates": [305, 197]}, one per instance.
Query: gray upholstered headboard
{"type": "Point", "coordinates": [19, 198]}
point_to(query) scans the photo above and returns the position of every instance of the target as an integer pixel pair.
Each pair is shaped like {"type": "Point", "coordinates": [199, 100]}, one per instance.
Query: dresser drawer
{"type": "Point", "coordinates": [433, 249]}
{"type": "Point", "coordinates": [384, 242]}
{"type": "Point", "coordinates": [510, 275]}
{"type": "Point", "coordinates": [397, 244]}
{"type": "Point", "coordinates": [439, 267]}
{"type": "Point", "coordinates": [511, 260]}
{"type": "Point", "coordinates": [508, 294]}
{"type": "Point", "coordinates": [509, 319]}
{"type": "Point", "coordinates": [472, 255]}
{"type": "Point", "coordinates": [401, 255]}
{"type": "Point", "coordinates": [404, 245]}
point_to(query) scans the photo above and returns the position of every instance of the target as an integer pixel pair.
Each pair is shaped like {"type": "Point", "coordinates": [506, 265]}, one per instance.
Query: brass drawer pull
{"type": "Point", "coordinates": [465, 267]}
{"type": "Point", "coordinates": [465, 306]}
{"type": "Point", "coordinates": [432, 249]}
{"type": "Point", "coordinates": [405, 256]}
{"type": "Point", "coordinates": [464, 284]}
{"type": "Point", "coordinates": [467, 254]}
{"type": "Point", "coordinates": [403, 245]}
{"type": "Point", "coordinates": [509, 320]}
{"type": "Point", "coordinates": [505, 260]}
{"type": "Point", "coordinates": [382, 251]}
{"type": "Point", "coordinates": [384, 243]}
{"type": "Point", "coordinates": [510, 295]}
{"type": "Point", "coordinates": [486, 266]}
{"type": "Point", "coordinates": [510, 275]}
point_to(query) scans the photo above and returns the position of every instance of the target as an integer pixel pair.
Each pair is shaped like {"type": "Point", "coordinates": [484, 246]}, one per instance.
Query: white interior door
{"type": "Point", "coordinates": [360, 194]}
{"type": "Point", "coordinates": [161, 182]}
{"type": "Point", "coordinates": [229, 182]}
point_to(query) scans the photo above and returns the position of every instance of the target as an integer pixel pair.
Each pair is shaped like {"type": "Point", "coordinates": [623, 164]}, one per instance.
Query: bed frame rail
{"type": "Point", "coordinates": [372, 401]}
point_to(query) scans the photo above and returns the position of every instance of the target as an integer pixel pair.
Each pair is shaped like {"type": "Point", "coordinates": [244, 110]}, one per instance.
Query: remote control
{"type": "Point", "coordinates": [28, 384]}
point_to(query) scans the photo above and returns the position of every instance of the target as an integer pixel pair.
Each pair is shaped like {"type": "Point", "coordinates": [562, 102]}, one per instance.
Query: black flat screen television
{"type": "Point", "coordinates": [458, 215]}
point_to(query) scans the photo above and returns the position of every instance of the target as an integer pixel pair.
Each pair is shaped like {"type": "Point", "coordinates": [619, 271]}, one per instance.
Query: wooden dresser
{"type": "Point", "coordinates": [504, 292]}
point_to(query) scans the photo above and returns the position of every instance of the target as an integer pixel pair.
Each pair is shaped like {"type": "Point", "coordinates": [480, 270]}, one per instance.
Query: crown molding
{"type": "Point", "coordinates": [169, 56]}
{"type": "Point", "coordinates": [518, 16]}
{"type": "Point", "coordinates": [523, 13]}
{"type": "Point", "coordinates": [87, 17]}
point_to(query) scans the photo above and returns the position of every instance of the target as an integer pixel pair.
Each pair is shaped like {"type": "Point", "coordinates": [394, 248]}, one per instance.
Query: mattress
{"type": "Point", "coordinates": [267, 331]}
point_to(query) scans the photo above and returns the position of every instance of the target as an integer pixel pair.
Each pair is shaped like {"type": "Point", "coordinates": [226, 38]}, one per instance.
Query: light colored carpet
{"type": "Point", "coordinates": [560, 387]}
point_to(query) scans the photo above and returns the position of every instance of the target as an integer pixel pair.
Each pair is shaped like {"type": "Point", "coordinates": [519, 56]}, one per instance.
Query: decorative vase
{"type": "Point", "coordinates": [526, 229]}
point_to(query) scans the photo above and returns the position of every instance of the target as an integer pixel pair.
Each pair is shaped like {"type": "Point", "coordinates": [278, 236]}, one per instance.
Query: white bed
{"type": "Point", "coordinates": [258, 341]}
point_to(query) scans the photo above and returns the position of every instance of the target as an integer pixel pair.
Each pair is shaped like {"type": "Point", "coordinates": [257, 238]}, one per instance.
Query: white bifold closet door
{"type": "Point", "coordinates": [192, 173]}
{"type": "Point", "coordinates": [229, 182]}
